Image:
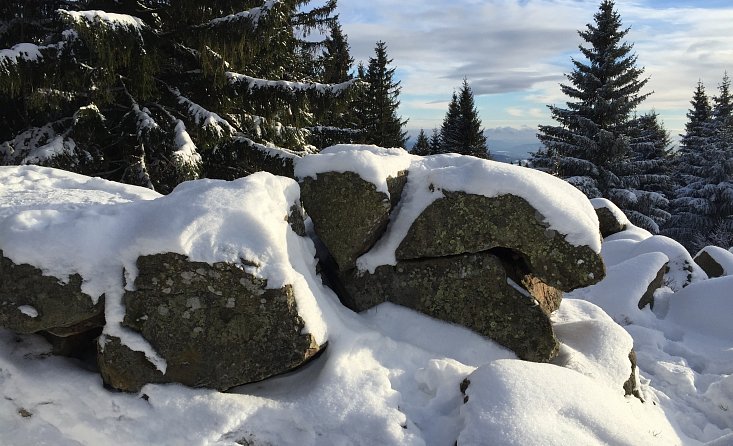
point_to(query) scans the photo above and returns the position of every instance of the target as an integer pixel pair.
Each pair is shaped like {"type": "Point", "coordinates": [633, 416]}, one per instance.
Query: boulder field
{"type": "Point", "coordinates": [212, 285]}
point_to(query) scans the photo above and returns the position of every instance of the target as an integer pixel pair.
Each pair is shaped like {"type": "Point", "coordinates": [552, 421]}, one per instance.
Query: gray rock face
{"type": "Point", "coordinates": [658, 282]}
{"type": "Point", "coordinates": [715, 261]}
{"type": "Point", "coordinates": [466, 223]}
{"type": "Point", "coordinates": [215, 325]}
{"type": "Point", "coordinates": [348, 213]}
{"type": "Point", "coordinates": [608, 222]}
{"type": "Point", "coordinates": [489, 264]}
{"type": "Point", "coordinates": [31, 302]}
{"type": "Point", "coordinates": [473, 290]}
{"type": "Point", "coordinates": [631, 387]}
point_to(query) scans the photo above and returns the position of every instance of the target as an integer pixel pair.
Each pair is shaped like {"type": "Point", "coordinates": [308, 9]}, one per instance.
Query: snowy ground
{"type": "Point", "coordinates": [391, 376]}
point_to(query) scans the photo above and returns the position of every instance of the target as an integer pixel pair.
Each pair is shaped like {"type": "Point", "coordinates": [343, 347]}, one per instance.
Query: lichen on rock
{"type": "Point", "coordinates": [215, 325]}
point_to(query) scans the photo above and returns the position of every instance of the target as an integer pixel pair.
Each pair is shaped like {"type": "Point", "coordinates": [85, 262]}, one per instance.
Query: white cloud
{"type": "Point", "coordinates": [525, 47]}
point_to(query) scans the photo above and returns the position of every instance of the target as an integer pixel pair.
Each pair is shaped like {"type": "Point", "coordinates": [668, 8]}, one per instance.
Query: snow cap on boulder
{"type": "Point", "coordinates": [66, 225]}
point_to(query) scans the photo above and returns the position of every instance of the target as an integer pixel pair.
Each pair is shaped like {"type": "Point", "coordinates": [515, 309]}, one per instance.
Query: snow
{"type": "Point", "coordinates": [58, 146]}
{"type": "Point", "coordinates": [112, 20]}
{"type": "Point", "coordinates": [253, 14]}
{"type": "Point", "coordinates": [26, 51]}
{"type": "Point", "coordinates": [186, 153]}
{"type": "Point", "coordinates": [627, 281]}
{"type": "Point", "coordinates": [565, 209]}
{"type": "Point", "coordinates": [634, 242]}
{"type": "Point", "coordinates": [28, 310]}
{"type": "Point", "coordinates": [692, 307]}
{"type": "Point", "coordinates": [389, 376]}
{"type": "Point", "coordinates": [205, 118]}
{"type": "Point", "coordinates": [254, 83]}
{"type": "Point", "coordinates": [514, 403]}
{"type": "Point", "coordinates": [683, 346]}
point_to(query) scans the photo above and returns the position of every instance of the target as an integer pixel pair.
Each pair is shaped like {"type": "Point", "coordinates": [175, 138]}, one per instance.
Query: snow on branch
{"type": "Point", "coordinates": [144, 122]}
{"type": "Point", "coordinates": [186, 155]}
{"type": "Point", "coordinates": [271, 151]}
{"type": "Point", "coordinates": [108, 19]}
{"type": "Point", "coordinates": [253, 15]}
{"type": "Point", "coordinates": [253, 83]}
{"type": "Point", "coordinates": [30, 52]}
{"type": "Point", "coordinates": [205, 118]}
{"type": "Point", "coordinates": [25, 51]}
{"type": "Point", "coordinates": [58, 146]}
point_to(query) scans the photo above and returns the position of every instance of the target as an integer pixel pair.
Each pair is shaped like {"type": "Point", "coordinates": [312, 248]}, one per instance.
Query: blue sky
{"type": "Point", "coordinates": [515, 52]}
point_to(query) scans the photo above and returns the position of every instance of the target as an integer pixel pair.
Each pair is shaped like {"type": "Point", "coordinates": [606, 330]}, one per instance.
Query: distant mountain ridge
{"type": "Point", "coordinates": [506, 144]}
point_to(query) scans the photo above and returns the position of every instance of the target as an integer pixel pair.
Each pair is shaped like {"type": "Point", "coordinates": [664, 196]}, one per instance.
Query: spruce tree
{"type": "Point", "coordinates": [461, 131]}
{"type": "Point", "coordinates": [335, 117]}
{"type": "Point", "coordinates": [434, 143]}
{"type": "Point", "coordinates": [337, 60]}
{"type": "Point", "coordinates": [380, 122]}
{"type": "Point", "coordinates": [647, 174]}
{"type": "Point", "coordinates": [592, 146]}
{"type": "Point", "coordinates": [703, 204]}
{"type": "Point", "coordinates": [422, 144]}
{"type": "Point", "coordinates": [154, 93]}
{"type": "Point", "coordinates": [698, 127]}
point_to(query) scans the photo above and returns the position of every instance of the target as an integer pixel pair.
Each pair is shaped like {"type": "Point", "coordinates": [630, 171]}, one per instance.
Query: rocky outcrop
{"type": "Point", "coordinates": [31, 301]}
{"type": "Point", "coordinates": [349, 214]}
{"type": "Point", "coordinates": [215, 325]}
{"type": "Point", "coordinates": [473, 290]}
{"type": "Point", "coordinates": [490, 263]}
{"type": "Point", "coordinates": [467, 223]}
{"type": "Point", "coordinates": [715, 261]}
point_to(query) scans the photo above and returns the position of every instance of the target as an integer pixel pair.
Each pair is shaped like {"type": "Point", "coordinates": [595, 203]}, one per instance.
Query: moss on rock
{"type": "Point", "coordinates": [215, 325]}
{"type": "Point", "coordinates": [349, 214]}
{"type": "Point", "coordinates": [467, 223]}
{"type": "Point", "coordinates": [472, 290]}
{"type": "Point", "coordinates": [48, 302]}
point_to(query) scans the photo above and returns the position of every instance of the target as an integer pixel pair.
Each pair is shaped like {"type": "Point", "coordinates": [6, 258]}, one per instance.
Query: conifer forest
{"type": "Point", "coordinates": [157, 92]}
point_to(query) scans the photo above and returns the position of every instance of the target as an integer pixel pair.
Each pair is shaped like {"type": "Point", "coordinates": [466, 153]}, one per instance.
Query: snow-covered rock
{"type": "Point", "coordinates": [610, 218]}
{"type": "Point", "coordinates": [634, 241]}
{"type": "Point", "coordinates": [92, 234]}
{"type": "Point", "coordinates": [348, 212]}
{"type": "Point", "coordinates": [214, 325]}
{"type": "Point", "coordinates": [715, 261]}
{"type": "Point", "coordinates": [390, 376]}
{"type": "Point", "coordinates": [472, 290]}
{"type": "Point", "coordinates": [31, 301]}
{"type": "Point", "coordinates": [423, 241]}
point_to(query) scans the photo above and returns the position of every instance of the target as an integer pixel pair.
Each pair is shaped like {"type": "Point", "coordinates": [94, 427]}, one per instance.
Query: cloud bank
{"type": "Point", "coordinates": [515, 52]}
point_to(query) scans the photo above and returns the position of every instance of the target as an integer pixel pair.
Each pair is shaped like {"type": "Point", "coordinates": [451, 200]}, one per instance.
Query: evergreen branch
{"type": "Point", "coordinates": [253, 83]}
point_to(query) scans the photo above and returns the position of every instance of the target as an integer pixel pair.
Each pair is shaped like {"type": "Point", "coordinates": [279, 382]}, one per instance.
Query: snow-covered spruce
{"type": "Point", "coordinates": [110, 61]}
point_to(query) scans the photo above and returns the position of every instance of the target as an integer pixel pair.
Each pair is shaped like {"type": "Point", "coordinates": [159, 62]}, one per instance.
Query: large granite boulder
{"type": "Point", "coordinates": [31, 301]}
{"type": "Point", "coordinates": [349, 213]}
{"type": "Point", "coordinates": [715, 261]}
{"type": "Point", "coordinates": [473, 290]}
{"type": "Point", "coordinates": [215, 326]}
{"type": "Point", "coordinates": [483, 257]}
{"type": "Point", "coordinates": [469, 223]}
